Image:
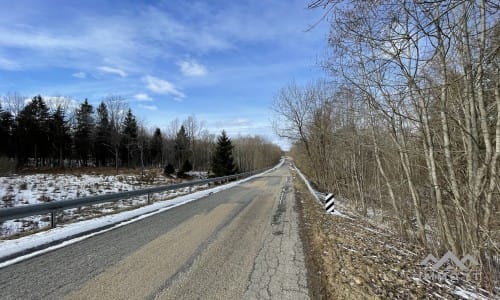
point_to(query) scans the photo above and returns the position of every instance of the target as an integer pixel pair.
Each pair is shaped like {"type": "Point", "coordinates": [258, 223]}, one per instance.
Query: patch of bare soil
{"type": "Point", "coordinates": [349, 258]}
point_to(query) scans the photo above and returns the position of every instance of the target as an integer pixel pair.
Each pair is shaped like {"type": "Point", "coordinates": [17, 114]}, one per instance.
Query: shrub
{"type": "Point", "coordinates": [186, 167]}
{"type": "Point", "coordinates": [44, 198]}
{"type": "Point", "coordinates": [8, 200]}
{"type": "Point", "coordinates": [169, 169]}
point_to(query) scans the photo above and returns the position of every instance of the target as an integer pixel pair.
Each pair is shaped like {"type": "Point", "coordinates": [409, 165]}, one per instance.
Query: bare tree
{"type": "Point", "coordinates": [418, 95]}
{"type": "Point", "coordinates": [14, 103]}
{"type": "Point", "coordinates": [117, 108]}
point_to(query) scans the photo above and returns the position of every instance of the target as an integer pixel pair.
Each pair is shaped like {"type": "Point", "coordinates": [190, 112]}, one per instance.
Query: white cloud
{"type": "Point", "coordinates": [191, 68]}
{"type": "Point", "coordinates": [112, 71]}
{"type": "Point", "coordinates": [234, 123]}
{"type": "Point", "coordinates": [142, 97]}
{"type": "Point", "coordinates": [81, 75]}
{"type": "Point", "coordinates": [135, 38]}
{"type": "Point", "coordinates": [148, 107]}
{"type": "Point", "coordinates": [8, 64]}
{"type": "Point", "coordinates": [161, 86]}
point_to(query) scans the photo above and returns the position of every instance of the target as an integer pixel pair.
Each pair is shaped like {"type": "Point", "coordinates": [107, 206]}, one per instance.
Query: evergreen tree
{"type": "Point", "coordinates": [84, 130]}
{"type": "Point", "coordinates": [128, 143]}
{"type": "Point", "coordinates": [169, 169]}
{"type": "Point", "coordinates": [102, 136]}
{"type": "Point", "coordinates": [181, 148]}
{"type": "Point", "coordinates": [157, 147]}
{"type": "Point", "coordinates": [32, 131]}
{"type": "Point", "coordinates": [222, 161]}
{"type": "Point", "coordinates": [59, 136]}
{"type": "Point", "coordinates": [186, 167]}
{"type": "Point", "coordinates": [6, 133]}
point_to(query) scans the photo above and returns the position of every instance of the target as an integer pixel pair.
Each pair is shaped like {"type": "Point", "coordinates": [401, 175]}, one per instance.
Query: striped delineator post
{"type": "Point", "coordinates": [329, 203]}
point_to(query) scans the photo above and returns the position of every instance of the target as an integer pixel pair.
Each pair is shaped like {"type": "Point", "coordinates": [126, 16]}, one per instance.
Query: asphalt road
{"type": "Point", "coordinates": [239, 243]}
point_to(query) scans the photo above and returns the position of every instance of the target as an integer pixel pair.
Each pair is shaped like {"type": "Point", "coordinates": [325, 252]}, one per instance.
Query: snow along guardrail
{"type": "Point", "coordinates": [53, 207]}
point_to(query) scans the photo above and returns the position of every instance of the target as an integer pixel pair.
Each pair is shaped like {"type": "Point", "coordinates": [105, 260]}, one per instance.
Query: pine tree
{"type": "Point", "coordinates": [59, 136]}
{"type": "Point", "coordinates": [102, 144]}
{"type": "Point", "coordinates": [222, 161]}
{"type": "Point", "coordinates": [84, 130]}
{"type": "Point", "coordinates": [157, 147]}
{"type": "Point", "coordinates": [128, 144]}
{"type": "Point", "coordinates": [32, 131]}
{"type": "Point", "coordinates": [181, 148]}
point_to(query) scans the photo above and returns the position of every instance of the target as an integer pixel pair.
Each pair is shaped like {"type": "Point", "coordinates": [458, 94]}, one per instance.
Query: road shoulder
{"type": "Point", "coordinates": [279, 269]}
{"type": "Point", "coordinates": [349, 257]}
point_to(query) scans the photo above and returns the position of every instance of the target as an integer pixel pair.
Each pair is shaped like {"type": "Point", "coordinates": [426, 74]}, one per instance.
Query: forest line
{"type": "Point", "coordinates": [37, 135]}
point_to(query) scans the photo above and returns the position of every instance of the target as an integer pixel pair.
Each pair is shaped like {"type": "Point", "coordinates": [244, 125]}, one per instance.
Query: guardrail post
{"type": "Point", "coordinates": [53, 218]}
{"type": "Point", "coordinates": [149, 198]}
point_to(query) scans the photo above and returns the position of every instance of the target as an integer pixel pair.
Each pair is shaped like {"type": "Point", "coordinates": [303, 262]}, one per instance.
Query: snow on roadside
{"type": "Point", "coordinates": [39, 188]}
{"type": "Point", "coordinates": [9, 248]}
{"type": "Point", "coordinates": [315, 194]}
{"type": "Point", "coordinates": [318, 195]}
{"type": "Point", "coordinates": [381, 236]}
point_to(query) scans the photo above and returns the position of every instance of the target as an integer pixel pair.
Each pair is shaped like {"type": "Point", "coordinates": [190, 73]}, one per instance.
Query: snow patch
{"type": "Point", "coordinates": [318, 196]}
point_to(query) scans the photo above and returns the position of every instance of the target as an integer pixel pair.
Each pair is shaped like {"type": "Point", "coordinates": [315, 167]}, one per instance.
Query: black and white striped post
{"type": "Point", "coordinates": [329, 203]}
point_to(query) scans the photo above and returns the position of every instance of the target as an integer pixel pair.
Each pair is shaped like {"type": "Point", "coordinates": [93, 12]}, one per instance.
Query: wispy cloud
{"type": "Point", "coordinates": [233, 123]}
{"type": "Point", "coordinates": [142, 97]}
{"type": "Point", "coordinates": [81, 75]}
{"type": "Point", "coordinates": [192, 68]}
{"type": "Point", "coordinates": [135, 40]}
{"type": "Point", "coordinates": [161, 86]}
{"type": "Point", "coordinates": [215, 52]}
{"type": "Point", "coordinates": [148, 107]}
{"type": "Point", "coordinates": [111, 70]}
{"type": "Point", "coordinates": [7, 64]}
{"type": "Point", "coordinates": [118, 39]}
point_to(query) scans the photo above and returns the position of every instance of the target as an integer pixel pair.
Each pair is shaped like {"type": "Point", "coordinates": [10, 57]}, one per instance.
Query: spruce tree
{"type": "Point", "coordinates": [181, 148]}
{"type": "Point", "coordinates": [59, 136]}
{"type": "Point", "coordinates": [102, 144]}
{"type": "Point", "coordinates": [128, 143]}
{"type": "Point", "coordinates": [84, 131]}
{"type": "Point", "coordinates": [32, 131]}
{"type": "Point", "coordinates": [157, 147]}
{"type": "Point", "coordinates": [222, 161]}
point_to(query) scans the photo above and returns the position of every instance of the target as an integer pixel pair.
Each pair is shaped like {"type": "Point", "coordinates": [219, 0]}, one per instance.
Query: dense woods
{"type": "Point", "coordinates": [407, 125]}
{"type": "Point", "coordinates": [33, 134]}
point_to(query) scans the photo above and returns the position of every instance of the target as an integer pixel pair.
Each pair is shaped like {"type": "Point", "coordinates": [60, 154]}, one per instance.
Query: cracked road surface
{"type": "Point", "coordinates": [239, 243]}
{"type": "Point", "coordinates": [279, 267]}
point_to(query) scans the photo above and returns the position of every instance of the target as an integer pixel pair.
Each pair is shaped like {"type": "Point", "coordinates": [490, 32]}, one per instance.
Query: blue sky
{"type": "Point", "coordinates": [222, 61]}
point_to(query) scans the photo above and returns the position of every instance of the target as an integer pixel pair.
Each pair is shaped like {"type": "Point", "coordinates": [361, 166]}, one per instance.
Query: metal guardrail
{"type": "Point", "coordinates": [55, 206]}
